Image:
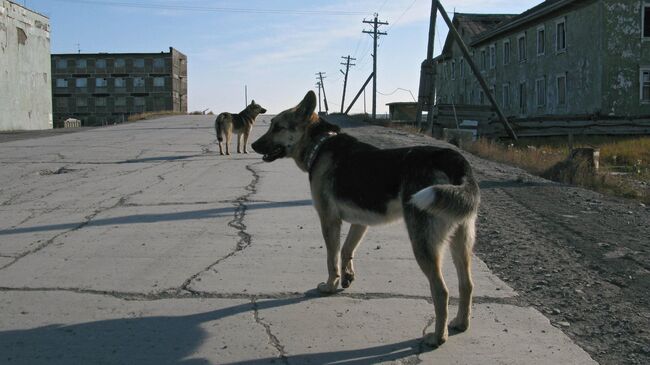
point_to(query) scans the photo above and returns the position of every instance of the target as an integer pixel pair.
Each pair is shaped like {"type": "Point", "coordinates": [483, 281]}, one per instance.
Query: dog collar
{"type": "Point", "coordinates": [314, 151]}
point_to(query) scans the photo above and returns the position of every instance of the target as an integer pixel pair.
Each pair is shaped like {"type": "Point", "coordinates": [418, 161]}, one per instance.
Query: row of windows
{"type": "Point", "coordinates": [488, 56]}
{"type": "Point", "coordinates": [120, 101]}
{"type": "Point", "coordinates": [118, 82]}
{"type": "Point", "coordinates": [81, 63]}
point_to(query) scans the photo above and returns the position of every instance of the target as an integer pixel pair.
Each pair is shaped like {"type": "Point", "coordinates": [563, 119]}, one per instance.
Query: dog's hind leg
{"type": "Point", "coordinates": [332, 234]}
{"type": "Point", "coordinates": [355, 235]}
{"type": "Point", "coordinates": [428, 235]}
{"type": "Point", "coordinates": [461, 252]}
{"type": "Point", "coordinates": [239, 138]}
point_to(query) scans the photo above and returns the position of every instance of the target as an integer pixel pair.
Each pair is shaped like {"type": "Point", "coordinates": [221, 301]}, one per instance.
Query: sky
{"type": "Point", "coordinates": [274, 47]}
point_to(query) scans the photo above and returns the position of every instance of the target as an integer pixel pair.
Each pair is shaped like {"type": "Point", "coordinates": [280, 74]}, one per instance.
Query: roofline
{"type": "Point", "coordinates": [171, 49]}
{"type": "Point", "coordinates": [28, 9]}
{"type": "Point", "coordinates": [512, 24]}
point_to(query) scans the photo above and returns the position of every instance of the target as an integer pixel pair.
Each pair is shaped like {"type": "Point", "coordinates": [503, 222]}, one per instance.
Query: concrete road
{"type": "Point", "coordinates": [138, 244]}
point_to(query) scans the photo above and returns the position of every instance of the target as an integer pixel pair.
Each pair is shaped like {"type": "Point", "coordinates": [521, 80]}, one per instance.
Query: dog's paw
{"type": "Point", "coordinates": [459, 324]}
{"type": "Point", "coordinates": [348, 278]}
{"type": "Point", "coordinates": [325, 288]}
{"type": "Point", "coordinates": [434, 339]}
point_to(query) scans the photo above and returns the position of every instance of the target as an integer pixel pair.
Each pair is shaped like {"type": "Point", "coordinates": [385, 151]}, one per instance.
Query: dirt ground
{"type": "Point", "coordinates": [579, 257]}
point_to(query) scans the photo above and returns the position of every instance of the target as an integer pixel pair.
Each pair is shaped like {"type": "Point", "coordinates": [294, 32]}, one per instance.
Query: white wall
{"type": "Point", "coordinates": [25, 71]}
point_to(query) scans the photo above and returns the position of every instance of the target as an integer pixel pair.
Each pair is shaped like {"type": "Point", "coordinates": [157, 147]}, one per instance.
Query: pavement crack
{"type": "Point", "coordinates": [241, 206]}
{"type": "Point", "coordinates": [273, 340]}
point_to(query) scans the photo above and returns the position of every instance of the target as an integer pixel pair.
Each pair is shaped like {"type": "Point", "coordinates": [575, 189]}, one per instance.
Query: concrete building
{"type": "Point", "coordinates": [566, 58]}
{"type": "Point", "coordinates": [25, 78]}
{"type": "Point", "coordinates": [105, 88]}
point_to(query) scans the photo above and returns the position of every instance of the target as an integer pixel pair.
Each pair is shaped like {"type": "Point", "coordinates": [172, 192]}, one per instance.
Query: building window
{"type": "Point", "coordinates": [138, 63]}
{"type": "Point", "coordinates": [522, 98]}
{"type": "Point", "coordinates": [100, 102]}
{"type": "Point", "coordinates": [138, 82]}
{"type": "Point", "coordinates": [444, 71]}
{"type": "Point", "coordinates": [541, 46]}
{"type": "Point", "coordinates": [645, 85]}
{"type": "Point", "coordinates": [483, 59]}
{"type": "Point", "coordinates": [521, 47]}
{"type": "Point", "coordinates": [159, 62]}
{"type": "Point", "coordinates": [540, 91]}
{"type": "Point", "coordinates": [61, 64]}
{"type": "Point", "coordinates": [61, 102]}
{"type": "Point", "coordinates": [462, 68]}
{"type": "Point", "coordinates": [81, 64]}
{"type": "Point", "coordinates": [62, 83]}
{"type": "Point", "coordinates": [646, 20]}
{"type": "Point", "coordinates": [120, 82]}
{"type": "Point", "coordinates": [159, 82]}
{"type": "Point", "coordinates": [100, 64]}
{"type": "Point", "coordinates": [561, 89]}
{"type": "Point", "coordinates": [481, 97]}
{"type": "Point", "coordinates": [101, 82]}
{"type": "Point", "coordinates": [119, 63]}
{"type": "Point", "coordinates": [82, 102]}
{"type": "Point", "coordinates": [81, 83]}
{"type": "Point", "coordinates": [560, 36]}
{"type": "Point", "coordinates": [506, 52]}
{"type": "Point", "coordinates": [453, 70]}
{"type": "Point", "coordinates": [493, 56]}
{"type": "Point", "coordinates": [120, 101]}
{"type": "Point", "coordinates": [505, 99]}
{"type": "Point", "coordinates": [139, 103]}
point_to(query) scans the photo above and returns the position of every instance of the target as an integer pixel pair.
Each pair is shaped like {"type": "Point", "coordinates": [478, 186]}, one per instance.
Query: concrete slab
{"type": "Point", "coordinates": [287, 254]}
{"type": "Point", "coordinates": [140, 248]}
{"type": "Point", "coordinates": [66, 328]}
{"type": "Point", "coordinates": [344, 330]}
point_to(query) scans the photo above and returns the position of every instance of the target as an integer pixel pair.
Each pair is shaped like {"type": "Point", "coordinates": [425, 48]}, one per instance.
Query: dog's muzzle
{"type": "Point", "coordinates": [270, 153]}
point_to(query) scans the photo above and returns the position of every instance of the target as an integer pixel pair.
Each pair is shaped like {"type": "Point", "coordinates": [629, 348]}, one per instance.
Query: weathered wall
{"type": "Point", "coordinates": [626, 52]}
{"type": "Point", "coordinates": [25, 77]}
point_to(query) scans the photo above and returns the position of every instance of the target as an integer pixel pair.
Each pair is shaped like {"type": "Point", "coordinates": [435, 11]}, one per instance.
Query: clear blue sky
{"type": "Point", "coordinates": [273, 46]}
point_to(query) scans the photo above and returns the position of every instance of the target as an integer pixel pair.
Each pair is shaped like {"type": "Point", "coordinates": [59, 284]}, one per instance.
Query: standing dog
{"type": "Point", "coordinates": [432, 188]}
{"type": "Point", "coordinates": [241, 124]}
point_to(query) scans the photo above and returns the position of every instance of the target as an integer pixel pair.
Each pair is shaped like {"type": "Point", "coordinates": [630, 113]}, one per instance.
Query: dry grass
{"type": "Point", "coordinates": [548, 158]}
{"type": "Point", "coordinates": [150, 115]}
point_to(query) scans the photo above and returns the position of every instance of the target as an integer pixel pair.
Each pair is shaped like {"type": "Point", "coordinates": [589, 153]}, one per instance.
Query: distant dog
{"type": "Point", "coordinates": [240, 123]}
{"type": "Point", "coordinates": [432, 188]}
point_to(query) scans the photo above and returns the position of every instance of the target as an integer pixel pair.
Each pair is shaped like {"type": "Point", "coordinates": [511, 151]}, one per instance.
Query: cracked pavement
{"type": "Point", "coordinates": [140, 244]}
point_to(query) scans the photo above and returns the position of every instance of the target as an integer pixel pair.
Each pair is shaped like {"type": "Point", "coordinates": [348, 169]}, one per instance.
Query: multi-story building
{"type": "Point", "coordinates": [566, 58]}
{"type": "Point", "coordinates": [105, 88]}
{"type": "Point", "coordinates": [25, 78]}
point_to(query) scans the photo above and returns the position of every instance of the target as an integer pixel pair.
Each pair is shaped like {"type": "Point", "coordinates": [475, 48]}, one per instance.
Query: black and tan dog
{"type": "Point", "coordinates": [240, 123]}
{"type": "Point", "coordinates": [432, 188]}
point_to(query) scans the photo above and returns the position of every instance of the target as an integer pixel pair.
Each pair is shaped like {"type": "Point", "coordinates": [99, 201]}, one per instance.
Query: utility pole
{"type": "Point", "coordinates": [347, 65]}
{"type": "Point", "coordinates": [426, 93]}
{"type": "Point", "coordinates": [246, 95]}
{"type": "Point", "coordinates": [318, 86]}
{"type": "Point", "coordinates": [375, 33]}
{"type": "Point", "coordinates": [322, 85]}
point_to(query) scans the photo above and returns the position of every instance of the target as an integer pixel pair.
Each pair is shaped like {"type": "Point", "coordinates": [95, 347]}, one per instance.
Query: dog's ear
{"type": "Point", "coordinates": [253, 102]}
{"type": "Point", "coordinates": [307, 106]}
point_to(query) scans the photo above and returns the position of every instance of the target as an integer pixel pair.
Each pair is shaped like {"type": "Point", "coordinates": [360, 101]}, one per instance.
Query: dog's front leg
{"type": "Point", "coordinates": [351, 242]}
{"type": "Point", "coordinates": [332, 234]}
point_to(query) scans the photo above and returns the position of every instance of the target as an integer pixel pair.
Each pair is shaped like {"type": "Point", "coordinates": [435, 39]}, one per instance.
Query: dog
{"type": "Point", "coordinates": [240, 123]}
{"type": "Point", "coordinates": [431, 188]}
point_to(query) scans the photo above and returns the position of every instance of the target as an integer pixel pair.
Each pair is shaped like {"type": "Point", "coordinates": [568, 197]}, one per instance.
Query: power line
{"type": "Point", "coordinates": [396, 90]}
{"type": "Point", "coordinates": [215, 9]}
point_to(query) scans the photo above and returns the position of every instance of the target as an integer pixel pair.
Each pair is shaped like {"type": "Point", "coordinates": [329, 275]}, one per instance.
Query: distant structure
{"type": "Point", "coordinates": [25, 79]}
{"type": "Point", "coordinates": [573, 61]}
{"type": "Point", "coordinates": [105, 88]}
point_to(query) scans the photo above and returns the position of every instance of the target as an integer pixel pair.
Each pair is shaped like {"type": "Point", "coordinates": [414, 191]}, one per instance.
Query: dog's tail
{"type": "Point", "coordinates": [218, 127]}
{"type": "Point", "coordinates": [455, 200]}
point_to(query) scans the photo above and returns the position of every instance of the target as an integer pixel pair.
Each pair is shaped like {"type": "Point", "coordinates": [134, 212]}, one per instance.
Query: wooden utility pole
{"type": "Point", "coordinates": [347, 65]}
{"type": "Point", "coordinates": [318, 86]}
{"type": "Point", "coordinates": [245, 95]}
{"type": "Point", "coordinates": [375, 33]}
{"type": "Point", "coordinates": [475, 70]}
{"type": "Point", "coordinates": [426, 94]}
{"type": "Point", "coordinates": [322, 86]}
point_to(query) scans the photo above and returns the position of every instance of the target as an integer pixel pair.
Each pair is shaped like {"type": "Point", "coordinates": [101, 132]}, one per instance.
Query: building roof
{"type": "Point", "coordinates": [527, 16]}
{"type": "Point", "coordinates": [107, 54]}
{"type": "Point", "coordinates": [472, 25]}
{"type": "Point", "coordinates": [13, 2]}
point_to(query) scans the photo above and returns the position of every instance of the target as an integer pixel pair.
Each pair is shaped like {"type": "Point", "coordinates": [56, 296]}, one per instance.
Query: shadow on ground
{"type": "Point", "coordinates": [159, 217]}
{"type": "Point", "coordinates": [163, 340]}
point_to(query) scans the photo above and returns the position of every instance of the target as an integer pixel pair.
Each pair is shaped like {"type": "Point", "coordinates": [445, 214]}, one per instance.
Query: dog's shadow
{"type": "Point", "coordinates": [165, 340]}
